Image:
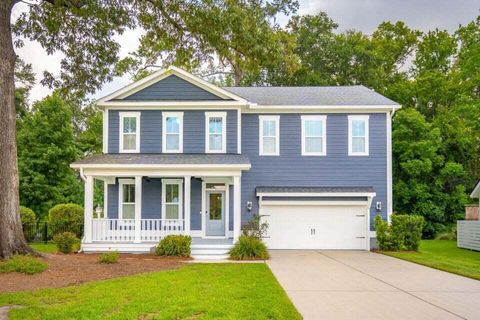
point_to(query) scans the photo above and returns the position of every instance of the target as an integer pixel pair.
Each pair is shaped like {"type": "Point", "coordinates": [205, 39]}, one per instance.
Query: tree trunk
{"type": "Point", "coordinates": [11, 234]}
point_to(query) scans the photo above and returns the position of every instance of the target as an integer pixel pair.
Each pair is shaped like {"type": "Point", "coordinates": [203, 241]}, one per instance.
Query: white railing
{"type": "Point", "coordinates": [123, 230]}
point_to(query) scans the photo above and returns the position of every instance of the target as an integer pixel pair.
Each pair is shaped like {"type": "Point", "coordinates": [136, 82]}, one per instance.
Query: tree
{"type": "Point", "coordinates": [46, 147]}
{"type": "Point", "coordinates": [84, 30]}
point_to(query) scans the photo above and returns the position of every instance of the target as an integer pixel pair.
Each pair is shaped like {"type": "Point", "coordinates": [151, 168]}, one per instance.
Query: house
{"type": "Point", "coordinates": [183, 156]}
{"type": "Point", "coordinates": [468, 230]}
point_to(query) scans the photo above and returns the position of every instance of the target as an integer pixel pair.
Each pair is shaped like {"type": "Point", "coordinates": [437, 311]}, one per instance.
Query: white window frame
{"type": "Point", "coordinates": [178, 115]}
{"type": "Point", "coordinates": [135, 115]}
{"type": "Point", "coordinates": [209, 115]}
{"type": "Point", "coordinates": [121, 183]}
{"type": "Point", "coordinates": [350, 137]}
{"type": "Point", "coordinates": [323, 120]}
{"type": "Point", "coordinates": [178, 182]}
{"type": "Point", "coordinates": [261, 119]}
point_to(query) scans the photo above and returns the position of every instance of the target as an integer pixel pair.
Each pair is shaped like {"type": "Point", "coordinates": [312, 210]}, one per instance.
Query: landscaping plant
{"type": "Point", "coordinates": [404, 233]}
{"type": "Point", "coordinates": [29, 220]}
{"type": "Point", "coordinates": [255, 227]}
{"type": "Point", "coordinates": [174, 245]}
{"type": "Point", "coordinates": [23, 264]}
{"type": "Point", "coordinates": [66, 217]}
{"type": "Point", "coordinates": [109, 257]}
{"type": "Point", "coordinates": [66, 242]}
{"type": "Point", "coordinates": [249, 248]}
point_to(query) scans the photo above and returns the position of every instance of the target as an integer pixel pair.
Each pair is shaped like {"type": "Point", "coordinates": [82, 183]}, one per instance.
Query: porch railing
{"type": "Point", "coordinates": [123, 230]}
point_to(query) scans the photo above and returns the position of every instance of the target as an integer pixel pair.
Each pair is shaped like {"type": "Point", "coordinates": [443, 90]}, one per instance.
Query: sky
{"type": "Point", "coordinates": [361, 15]}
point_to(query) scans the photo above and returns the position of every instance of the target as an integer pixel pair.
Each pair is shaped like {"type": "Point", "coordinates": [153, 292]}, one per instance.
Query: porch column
{"type": "Point", "coordinates": [88, 209]}
{"type": "Point", "coordinates": [138, 209]}
{"type": "Point", "coordinates": [187, 204]}
{"type": "Point", "coordinates": [236, 207]}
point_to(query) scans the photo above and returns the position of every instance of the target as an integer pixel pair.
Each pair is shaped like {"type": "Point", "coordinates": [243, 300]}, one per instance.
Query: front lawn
{"type": "Point", "coordinates": [195, 291]}
{"type": "Point", "coordinates": [44, 247]}
{"type": "Point", "coordinates": [444, 255]}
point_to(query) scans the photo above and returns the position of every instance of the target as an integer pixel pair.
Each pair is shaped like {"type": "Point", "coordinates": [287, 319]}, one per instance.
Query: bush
{"type": "Point", "coordinates": [447, 233]}
{"type": "Point", "coordinates": [66, 217]}
{"type": "Point", "coordinates": [174, 245]}
{"type": "Point", "coordinates": [254, 227]}
{"type": "Point", "coordinates": [28, 219]}
{"type": "Point", "coordinates": [23, 264]}
{"type": "Point", "coordinates": [404, 233]}
{"type": "Point", "coordinates": [109, 257]}
{"type": "Point", "coordinates": [66, 242]}
{"type": "Point", "coordinates": [249, 248]}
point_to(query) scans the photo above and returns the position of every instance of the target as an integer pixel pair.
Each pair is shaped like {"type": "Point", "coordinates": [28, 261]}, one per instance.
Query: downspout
{"type": "Point", "coordinates": [82, 175]}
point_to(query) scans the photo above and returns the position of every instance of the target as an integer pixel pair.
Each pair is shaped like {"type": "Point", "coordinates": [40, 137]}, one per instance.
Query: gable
{"type": "Point", "coordinates": [172, 88]}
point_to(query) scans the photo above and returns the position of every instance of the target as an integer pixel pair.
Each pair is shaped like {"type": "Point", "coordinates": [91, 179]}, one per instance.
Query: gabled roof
{"type": "Point", "coordinates": [312, 96]}
{"type": "Point", "coordinates": [476, 191]}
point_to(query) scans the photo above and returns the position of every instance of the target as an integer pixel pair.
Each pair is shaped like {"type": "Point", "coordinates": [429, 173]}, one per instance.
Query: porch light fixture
{"type": "Point", "coordinates": [99, 211]}
{"type": "Point", "coordinates": [249, 205]}
{"type": "Point", "coordinates": [378, 206]}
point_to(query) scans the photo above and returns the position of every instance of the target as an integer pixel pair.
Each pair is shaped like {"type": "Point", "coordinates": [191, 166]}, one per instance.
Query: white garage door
{"type": "Point", "coordinates": [315, 227]}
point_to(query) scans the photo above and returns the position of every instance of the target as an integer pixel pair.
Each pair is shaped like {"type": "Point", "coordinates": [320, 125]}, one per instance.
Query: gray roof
{"type": "Point", "coordinates": [314, 189]}
{"type": "Point", "coordinates": [164, 159]}
{"type": "Point", "coordinates": [312, 96]}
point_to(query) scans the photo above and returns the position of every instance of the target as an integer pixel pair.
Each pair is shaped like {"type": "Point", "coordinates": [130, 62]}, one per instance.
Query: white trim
{"type": "Point", "coordinates": [316, 194]}
{"type": "Point", "coordinates": [88, 208]}
{"type": "Point", "coordinates": [325, 107]}
{"type": "Point", "coordinates": [367, 134]}
{"type": "Point", "coordinates": [313, 203]}
{"type": "Point", "coordinates": [105, 199]}
{"type": "Point", "coordinates": [162, 74]}
{"type": "Point", "coordinates": [166, 115]}
{"type": "Point", "coordinates": [121, 116]}
{"type": "Point", "coordinates": [237, 207]}
{"type": "Point", "coordinates": [202, 211]}
{"type": "Point", "coordinates": [122, 182]}
{"type": "Point", "coordinates": [187, 206]}
{"type": "Point", "coordinates": [476, 191]}
{"type": "Point", "coordinates": [227, 209]}
{"type": "Point", "coordinates": [323, 120]}
{"type": "Point", "coordinates": [222, 191]}
{"type": "Point", "coordinates": [239, 131]}
{"type": "Point", "coordinates": [138, 209]}
{"type": "Point", "coordinates": [178, 182]}
{"type": "Point", "coordinates": [161, 166]}
{"type": "Point", "coordinates": [389, 168]}
{"type": "Point", "coordinates": [105, 131]}
{"type": "Point", "coordinates": [261, 119]}
{"type": "Point", "coordinates": [209, 115]}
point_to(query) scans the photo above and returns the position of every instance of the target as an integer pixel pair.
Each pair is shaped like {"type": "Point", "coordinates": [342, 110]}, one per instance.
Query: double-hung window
{"type": "Point", "coordinates": [269, 128]}
{"type": "Point", "coordinates": [358, 135]}
{"type": "Point", "coordinates": [215, 135]}
{"type": "Point", "coordinates": [127, 199]}
{"type": "Point", "coordinates": [129, 132]}
{"type": "Point", "coordinates": [314, 135]}
{"type": "Point", "coordinates": [172, 199]}
{"type": "Point", "coordinates": [172, 132]}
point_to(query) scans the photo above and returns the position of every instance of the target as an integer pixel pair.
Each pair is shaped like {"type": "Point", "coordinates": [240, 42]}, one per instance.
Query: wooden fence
{"type": "Point", "coordinates": [468, 234]}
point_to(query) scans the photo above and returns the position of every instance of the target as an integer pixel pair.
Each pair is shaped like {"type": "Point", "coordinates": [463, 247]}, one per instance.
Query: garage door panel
{"type": "Point", "coordinates": [315, 227]}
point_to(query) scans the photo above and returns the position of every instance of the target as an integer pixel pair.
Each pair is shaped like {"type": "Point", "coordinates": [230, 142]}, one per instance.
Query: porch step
{"type": "Point", "coordinates": [210, 252]}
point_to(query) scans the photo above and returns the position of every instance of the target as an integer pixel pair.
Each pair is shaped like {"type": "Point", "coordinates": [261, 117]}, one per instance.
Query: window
{"type": "Point", "coordinates": [314, 137]}
{"type": "Point", "coordinates": [358, 135]}
{"type": "Point", "coordinates": [215, 135]}
{"type": "Point", "coordinates": [129, 132]}
{"type": "Point", "coordinates": [172, 199]}
{"type": "Point", "coordinates": [127, 199]}
{"type": "Point", "coordinates": [172, 129]}
{"type": "Point", "coordinates": [269, 135]}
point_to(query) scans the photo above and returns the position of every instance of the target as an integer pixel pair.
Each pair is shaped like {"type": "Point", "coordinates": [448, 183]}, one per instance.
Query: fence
{"type": "Point", "coordinates": [468, 234]}
{"type": "Point", "coordinates": [45, 231]}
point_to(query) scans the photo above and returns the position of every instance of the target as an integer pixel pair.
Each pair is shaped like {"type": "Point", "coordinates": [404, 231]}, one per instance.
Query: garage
{"type": "Point", "coordinates": [316, 220]}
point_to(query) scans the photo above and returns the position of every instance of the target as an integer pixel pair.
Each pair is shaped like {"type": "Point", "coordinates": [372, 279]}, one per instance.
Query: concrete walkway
{"type": "Point", "coordinates": [364, 285]}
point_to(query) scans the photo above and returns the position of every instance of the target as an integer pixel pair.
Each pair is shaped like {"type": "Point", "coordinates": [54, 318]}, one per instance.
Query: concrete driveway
{"type": "Point", "coordinates": [364, 285]}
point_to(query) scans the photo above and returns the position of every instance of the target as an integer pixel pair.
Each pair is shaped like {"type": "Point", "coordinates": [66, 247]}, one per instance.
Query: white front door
{"type": "Point", "coordinates": [215, 213]}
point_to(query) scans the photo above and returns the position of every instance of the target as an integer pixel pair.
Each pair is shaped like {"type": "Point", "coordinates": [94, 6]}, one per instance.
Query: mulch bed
{"type": "Point", "coordinates": [73, 269]}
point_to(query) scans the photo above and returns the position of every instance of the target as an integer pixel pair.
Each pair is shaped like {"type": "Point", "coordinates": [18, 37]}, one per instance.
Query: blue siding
{"type": "Point", "coordinates": [112, 203]}
{"type": "Point", "coordinates": [172, 88]}
{"type": "Point", "coordinates": [151, 198]}
{"type": "Point", "coordinates": [293, 169]}
{"type": "Point", "coordinates": [151, 131]}
{"type": "Point", "coordinates": [196, 205]}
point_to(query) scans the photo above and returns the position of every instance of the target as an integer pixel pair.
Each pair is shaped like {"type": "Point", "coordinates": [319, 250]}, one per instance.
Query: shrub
{"type": "Point", "coordinates": [404, 233]}
{"type": "Point", "coordinates": [254, 227]}
{"type": "Point", "coordinates": [66, 217]}
{"type": "Point", "coordinates": [109, 257]}
{"type": "Point", "coordinates": [66, 242]}
{"type": "Point", "coordinates": [447, 233]}
{"type": "Point", "coordinates": [174, 245]}
{"type": "Point", "coordinates": [28, 219]}
{"type": "Point", "coordinates": [249, 248]}
{"type": "Point", "coordinates": [23, 264]}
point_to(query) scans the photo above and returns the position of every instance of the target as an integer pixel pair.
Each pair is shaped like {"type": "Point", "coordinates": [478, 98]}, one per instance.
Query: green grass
{"type": "Point", "coordinates": [194, 291]}
{"type": "Point", "coordinates": [444, 255]}
{"type": "Point", "coordinates": [44, 248]}
{"type": "Point", "coordinates": [22, 264]}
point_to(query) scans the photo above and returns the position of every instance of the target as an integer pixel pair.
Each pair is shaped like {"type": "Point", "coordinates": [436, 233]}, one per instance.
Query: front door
{"type": "Point", "coordinates": [215, 221]}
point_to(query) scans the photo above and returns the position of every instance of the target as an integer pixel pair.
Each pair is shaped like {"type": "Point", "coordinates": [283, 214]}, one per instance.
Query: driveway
{"type": "Point", "coordinates": [365, 285]}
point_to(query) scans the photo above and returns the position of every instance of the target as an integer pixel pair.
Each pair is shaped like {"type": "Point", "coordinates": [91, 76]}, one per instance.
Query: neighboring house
{"type": "Point", "coordinates": [468, 230]}
{"type": "Point", "coordinates": [183, 156]}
